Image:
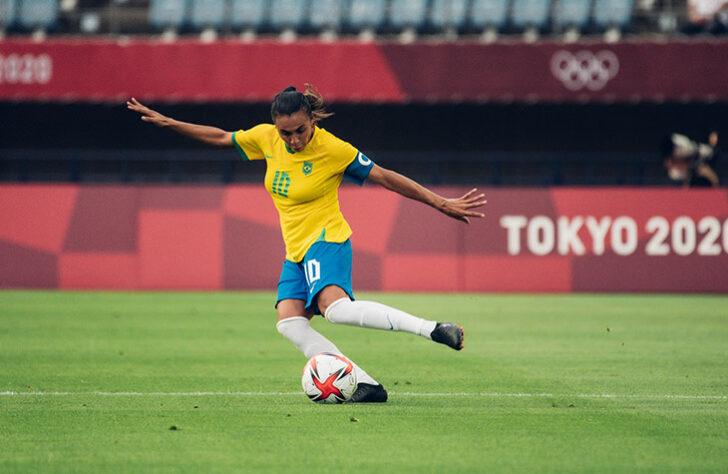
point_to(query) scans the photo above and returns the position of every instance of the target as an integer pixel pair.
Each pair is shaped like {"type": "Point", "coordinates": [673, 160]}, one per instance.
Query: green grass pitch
{"type": "Point", "coordinates": [183, 382]}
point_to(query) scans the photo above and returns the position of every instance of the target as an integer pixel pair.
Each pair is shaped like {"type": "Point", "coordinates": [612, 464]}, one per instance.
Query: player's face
{"type": "Point", "coordinates": [295, 129]}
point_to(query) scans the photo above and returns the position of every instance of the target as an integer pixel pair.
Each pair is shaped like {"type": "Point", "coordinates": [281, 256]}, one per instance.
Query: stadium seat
{"type": "Point", "coordinates": [167, 14]}
{"type": "Point", "coordinates": [325, 14]}
{"type": "Point", "coordinates": [207, 14]}
{"type": "Point", "coordinates": [7, 14]}
{"type": "Point", "coordinates": [366, 14]}
{"type": "Point", "coordinates": [287, 14]}
{"type": "Point", "coordinates": [448, 14]}
{"type": "Point", "coordinates": [247, 14]}
{"type": "Point", "coordinates": [613, 13]}
{"type": "Point", "coordinates": [407, 14]}
{"type": "Point", "coordinates": [572, 14]}
{"type": "Point", "coordinates": [530, 14]}
{"type": "Point", "coordinates": [489, 14]}
{"type": "Point", "coordinates": [38, 14]}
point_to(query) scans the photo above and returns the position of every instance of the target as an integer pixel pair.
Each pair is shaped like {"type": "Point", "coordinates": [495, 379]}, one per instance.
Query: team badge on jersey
{"type": "Point", "coordinates": [307, 167]}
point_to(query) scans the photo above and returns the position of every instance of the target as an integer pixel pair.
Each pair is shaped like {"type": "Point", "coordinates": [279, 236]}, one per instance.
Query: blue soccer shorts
{"type": "Point", "coordinates": [325, 263]}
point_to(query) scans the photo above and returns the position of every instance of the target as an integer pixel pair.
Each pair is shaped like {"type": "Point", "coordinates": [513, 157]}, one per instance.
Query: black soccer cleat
{"type": "Point", "coordinates": [368, 393]}
{"type": "Point", "coordinates": [450, 334]}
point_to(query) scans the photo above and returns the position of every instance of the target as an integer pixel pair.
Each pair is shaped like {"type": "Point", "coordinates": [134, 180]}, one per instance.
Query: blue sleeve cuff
{"type": "Point", "coordinates": [359, 169]}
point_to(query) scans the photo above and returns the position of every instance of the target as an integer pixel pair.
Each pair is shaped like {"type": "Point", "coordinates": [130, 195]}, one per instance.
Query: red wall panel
{"type": "Point", "coordinates": [36, 216]}
{"type": "Point", "coordinates": [508, 274]}
{"type": "Point", "coordinates": [93, 270]}
{"type": "Point", "coordinates": [227, 237]}
{"type": "Point", "coordinates": [229, 70]}
{"type": "Point", "coordinates": [180, 249]}
{"type": "Point", "coordinates": [422, 272]}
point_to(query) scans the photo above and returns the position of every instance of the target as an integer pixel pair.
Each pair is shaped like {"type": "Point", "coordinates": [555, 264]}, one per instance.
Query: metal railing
{"type": "Point", "coordinates": [220, 166]}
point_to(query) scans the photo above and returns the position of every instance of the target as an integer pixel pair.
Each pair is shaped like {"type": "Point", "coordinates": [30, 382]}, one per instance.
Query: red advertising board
{"type": "Point", "coordinates": [227, 237]}
{"type": "Point", "coordinates": [230, 70]}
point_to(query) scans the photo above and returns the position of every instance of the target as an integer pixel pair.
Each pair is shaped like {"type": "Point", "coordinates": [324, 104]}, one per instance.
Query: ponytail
{"type": "Point", "coordinates": [316, 100]}
{"type": "Point", "coordinates": [290, 101]}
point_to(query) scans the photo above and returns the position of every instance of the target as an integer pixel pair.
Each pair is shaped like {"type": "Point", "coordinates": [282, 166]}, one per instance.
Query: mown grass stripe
{"type": "Point", "coordinates": [401, 394]}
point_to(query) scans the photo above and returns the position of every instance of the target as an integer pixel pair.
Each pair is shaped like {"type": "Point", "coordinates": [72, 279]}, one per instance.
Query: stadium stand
{"type": "Point", "coordinates": [448, 15]}
{"type": "Point", "coordinates": [489, 16]}
{"type": "Point", "coordinates": [207, 14]}
{"type": "Point", "coordinates": [287, 15]}
{"type": "Point", "coordinates": [613, 14]}
{"type": "Point", "coordinates": [366, 16]}
{"type": "Point", "coordinates": [38, 15]}
{"type": "Point", "coordinates": [168, 15]}
{"type": "Point", "coordinates": [530, 15]}
{"type": "Point", "coordinates": [407, 14]}
{"type": "Point", "coordinates": [7, 14]}
{"type": "Point", "coordinates": [572, 15]}
{"type": "Point", "coordinates": [325, 15]}
{"type": "Point", "coordinates": [247, 16]}
{"type": "Point", "coordinates": [450, 19]}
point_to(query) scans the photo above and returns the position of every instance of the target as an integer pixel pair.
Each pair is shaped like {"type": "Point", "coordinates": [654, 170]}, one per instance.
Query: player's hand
{"type": "Point", "coordinates": [148, 115]}
{"type": "Point", "coordinates": [460, 208]}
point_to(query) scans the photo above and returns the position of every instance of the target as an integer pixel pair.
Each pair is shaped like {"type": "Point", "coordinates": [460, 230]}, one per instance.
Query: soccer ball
{"type": "Point", "coordinates": [329, 378]}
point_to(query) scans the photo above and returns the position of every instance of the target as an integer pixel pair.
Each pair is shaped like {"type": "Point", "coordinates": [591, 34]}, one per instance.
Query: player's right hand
{"type": "Point", "coordinates": [148, 115]}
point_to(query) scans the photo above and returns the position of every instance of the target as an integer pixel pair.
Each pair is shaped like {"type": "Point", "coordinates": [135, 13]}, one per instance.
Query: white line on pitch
{"type": "Point", "coordinates": [148, 394]}
{"type": "Point", "coordinates": [405, 394]}
{"type": "Point", "coordinates": [569, 395]}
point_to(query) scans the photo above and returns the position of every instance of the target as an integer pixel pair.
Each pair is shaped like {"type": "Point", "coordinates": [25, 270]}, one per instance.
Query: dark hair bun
{"type": "Point", "coordinates": [290, 101]}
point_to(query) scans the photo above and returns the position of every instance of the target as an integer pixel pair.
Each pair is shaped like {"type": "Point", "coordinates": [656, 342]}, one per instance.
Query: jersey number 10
{"type": "Point", "coordinates": [281, 181]}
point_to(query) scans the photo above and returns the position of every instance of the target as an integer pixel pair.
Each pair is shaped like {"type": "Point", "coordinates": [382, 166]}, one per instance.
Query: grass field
{"type": "Point", "coordinates": [180, 382]}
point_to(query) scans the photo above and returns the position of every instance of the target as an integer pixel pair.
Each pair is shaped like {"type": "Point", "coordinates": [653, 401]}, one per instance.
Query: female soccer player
{"type": "Point", "coordinates": [305, 166]}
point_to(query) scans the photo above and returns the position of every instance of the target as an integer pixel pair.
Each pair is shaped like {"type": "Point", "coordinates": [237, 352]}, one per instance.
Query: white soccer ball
{"type": "Point", "coordinates": [329, 378]}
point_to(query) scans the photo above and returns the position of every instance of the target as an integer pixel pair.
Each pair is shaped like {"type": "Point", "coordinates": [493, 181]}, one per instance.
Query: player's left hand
{"type": "Point", "coordinates": [460, 208]}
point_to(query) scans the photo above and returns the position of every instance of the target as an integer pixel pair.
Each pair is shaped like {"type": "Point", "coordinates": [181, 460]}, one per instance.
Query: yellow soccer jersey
{"type": "Point", "coordinates": [304, 185]}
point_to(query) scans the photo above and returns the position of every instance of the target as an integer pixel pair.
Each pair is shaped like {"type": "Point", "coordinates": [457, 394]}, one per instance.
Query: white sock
{"type": "Point", "coordinates": [370, 314]}
{"type": "Point", "coordinates": [298, 330]}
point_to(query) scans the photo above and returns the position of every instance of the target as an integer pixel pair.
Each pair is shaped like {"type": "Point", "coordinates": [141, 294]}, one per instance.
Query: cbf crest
{"type": "Point", "coordinates": [307, 167]}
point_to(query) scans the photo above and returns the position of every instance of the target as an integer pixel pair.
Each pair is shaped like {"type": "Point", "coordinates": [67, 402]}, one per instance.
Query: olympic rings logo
{"type": "Point", "coordinates": [584, 69]}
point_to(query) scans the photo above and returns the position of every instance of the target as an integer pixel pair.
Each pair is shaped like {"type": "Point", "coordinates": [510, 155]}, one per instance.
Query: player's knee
{"type": "Point", "coordinates": [336, 311]}
{"type": "Point", "coordinates": [287, 325]}
{"type": "Point", "coordinates": [328, 295]}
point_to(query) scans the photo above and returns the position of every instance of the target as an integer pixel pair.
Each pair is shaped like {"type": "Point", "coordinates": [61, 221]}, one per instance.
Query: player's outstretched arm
{"type": "Point", "coordinates": [206, 134]}
{"type": "Point", "coordinates": [457, 208]}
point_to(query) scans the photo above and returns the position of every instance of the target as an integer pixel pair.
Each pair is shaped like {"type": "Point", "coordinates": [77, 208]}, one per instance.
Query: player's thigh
{"type": "Point", "coordinates": [328, 295]}
{"type": "Point", "coordinates": [289, 308]}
